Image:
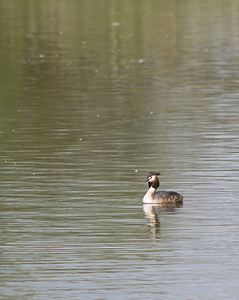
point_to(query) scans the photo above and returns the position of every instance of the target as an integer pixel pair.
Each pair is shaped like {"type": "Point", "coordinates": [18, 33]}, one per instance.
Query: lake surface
{"type": "Point", "coordinates": [93, 96]}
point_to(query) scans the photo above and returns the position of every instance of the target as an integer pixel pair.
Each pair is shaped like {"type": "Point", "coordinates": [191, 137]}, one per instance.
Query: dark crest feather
{"type": "Point", "coordinates": [153, 173]}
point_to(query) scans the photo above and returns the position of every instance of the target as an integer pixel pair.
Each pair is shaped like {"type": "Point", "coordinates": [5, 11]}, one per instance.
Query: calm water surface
{"type": "Point", "coordinates": [93, 95]}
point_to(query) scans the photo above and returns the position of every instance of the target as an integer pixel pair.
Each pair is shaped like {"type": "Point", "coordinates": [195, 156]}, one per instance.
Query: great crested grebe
{"type": "Point", "coordinates": [162, 198]}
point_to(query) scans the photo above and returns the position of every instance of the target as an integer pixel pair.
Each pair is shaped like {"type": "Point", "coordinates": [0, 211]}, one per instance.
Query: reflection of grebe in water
{"type": "Point", "coordinates": [162, 198]}
{"type": "Point", "coordinates": [152, 215]}
{"type": "Point", "coordinates": [151, 212]}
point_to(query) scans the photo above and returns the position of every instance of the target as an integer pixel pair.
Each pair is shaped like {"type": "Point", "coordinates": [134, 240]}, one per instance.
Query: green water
{"type": "Point", "coordinates": [93, 96]}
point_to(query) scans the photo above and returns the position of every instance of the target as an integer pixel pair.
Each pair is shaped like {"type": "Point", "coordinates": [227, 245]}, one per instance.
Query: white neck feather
{"type": "Point", "coordinates": [149, 196]}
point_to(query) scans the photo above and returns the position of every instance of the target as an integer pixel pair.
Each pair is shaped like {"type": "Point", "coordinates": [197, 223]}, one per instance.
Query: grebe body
{"type": "Point", "coordinates": [163, 198]}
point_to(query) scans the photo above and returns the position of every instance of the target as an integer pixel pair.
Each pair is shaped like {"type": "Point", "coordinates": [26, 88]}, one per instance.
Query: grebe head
{"type": "Point", "coordinates": [153, 179]}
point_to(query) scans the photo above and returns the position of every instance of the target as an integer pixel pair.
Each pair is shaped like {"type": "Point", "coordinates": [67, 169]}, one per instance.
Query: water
{"type": "Point", "coordinates": [93, 96]}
